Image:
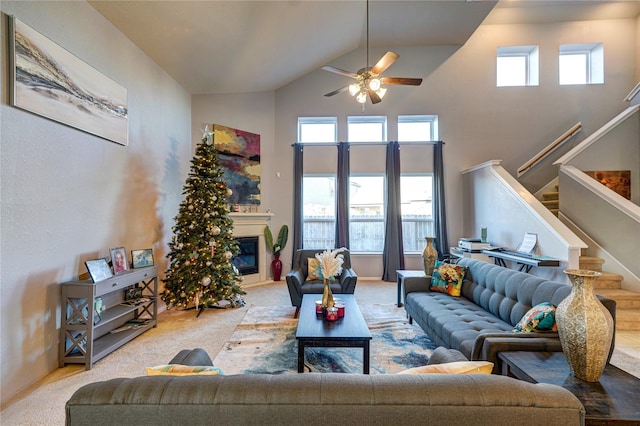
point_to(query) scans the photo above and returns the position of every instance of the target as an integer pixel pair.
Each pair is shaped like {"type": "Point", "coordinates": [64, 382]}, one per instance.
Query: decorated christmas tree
{"type": "Point", "coordinates": [201, 273]}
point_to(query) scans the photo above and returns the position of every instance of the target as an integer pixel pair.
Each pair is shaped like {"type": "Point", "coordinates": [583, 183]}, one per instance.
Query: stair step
{"type": "Point", "coordinates": [627, 319]}
{"type": "Point", "coordinates": [625, 299]}
{"type": "Point", "coordinates": [550, 196]}
{"type": "Point", "coordinates": [608, 280]}
{"type": "Point", "coordinates": [555, 211]}
{"type": "Point", "coordinates": [591, 263]}
{"type": "Point", "coordinates": [551, 204]}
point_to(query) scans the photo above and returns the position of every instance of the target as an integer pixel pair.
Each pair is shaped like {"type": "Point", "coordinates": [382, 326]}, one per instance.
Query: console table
{"type": "Point", "coordinates": [614, 399]}
{"type": "Point", "coordinates": [86, 336]}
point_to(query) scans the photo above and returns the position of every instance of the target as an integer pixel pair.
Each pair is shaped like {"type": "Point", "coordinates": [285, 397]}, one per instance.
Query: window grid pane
{"type": "Point", "coordinates": [417, 211]}
{"type": "Point", "coordinates": [319, 216]}
{"type": "Point", "coordinates": [366, 213]}
{"type": "Point", "coordinates": [512, 71]}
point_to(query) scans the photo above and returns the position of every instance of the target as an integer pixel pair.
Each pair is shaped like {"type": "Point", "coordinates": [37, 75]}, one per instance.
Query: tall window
{"type": "Point", "coordinates": [367, 129]}
{"type": "Point", "coordinates": [319, 211]}
{"type": "Point", "coordinates": [581, 64]}
{"type": "Point", "coordinates": [417, 128]}
{"type": "Point", "coordinates": [366, 190]}
{"type": "Point", "coordinates": [366, 213]}
{"type": "Point", "coordinates": [517, 66]}
{"type": "Point", "coordinates": [317, 129]}
{"type": "Point", "coordinates": [417, 210]}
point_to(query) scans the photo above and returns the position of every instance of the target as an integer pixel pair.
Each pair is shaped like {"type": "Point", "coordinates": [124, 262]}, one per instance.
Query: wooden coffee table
{"type": "Point", "coordinates": [351, 331]}
{"type": "Point", "coordinates": [614, 399]}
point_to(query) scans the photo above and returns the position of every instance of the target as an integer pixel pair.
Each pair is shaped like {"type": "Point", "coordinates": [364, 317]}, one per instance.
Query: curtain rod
{"type": "Point", "coordinates": [365, 143]}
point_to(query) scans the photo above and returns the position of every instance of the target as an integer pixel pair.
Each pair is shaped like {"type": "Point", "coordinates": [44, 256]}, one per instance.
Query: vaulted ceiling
{"type": "Point", "coordinates": [253, 46]}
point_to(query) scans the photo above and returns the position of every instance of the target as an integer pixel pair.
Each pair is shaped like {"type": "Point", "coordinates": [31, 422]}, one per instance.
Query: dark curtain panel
{"type": "Point", "coordinates": [297, 197]}
{"type": "Point", "coordinates": [342, 197]}
{"type": "Point", "coordinates": [439, 209]}
{"type": "Point", "coordinates": [393, 253]}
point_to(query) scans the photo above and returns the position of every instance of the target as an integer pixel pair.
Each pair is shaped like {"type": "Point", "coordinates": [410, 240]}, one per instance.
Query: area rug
{"type": "Point", "coordinates": [265, 342]}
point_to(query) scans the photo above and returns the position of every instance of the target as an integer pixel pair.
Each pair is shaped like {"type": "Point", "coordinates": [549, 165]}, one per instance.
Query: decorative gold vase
{"type": "Point", "coordinates": [327, 295]}
{"type": "Point", "coordinates": [429, 256]}
{"type": "Point", "coordinates": [585, 327]}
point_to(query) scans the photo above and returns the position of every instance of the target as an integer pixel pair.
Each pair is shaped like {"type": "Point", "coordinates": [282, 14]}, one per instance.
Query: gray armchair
{"type": "Point", "coordinates": [297, 278]}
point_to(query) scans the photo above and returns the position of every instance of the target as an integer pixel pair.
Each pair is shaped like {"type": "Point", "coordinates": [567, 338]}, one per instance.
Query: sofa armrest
{"type": "Point", "coordinates": [193, 357]}
{"type": "Point", "coordinates": [416, 284]}
{"type": "Point", "coordinates": [348, 280]}
{"type": "Point", "coordinates": [487, 345]}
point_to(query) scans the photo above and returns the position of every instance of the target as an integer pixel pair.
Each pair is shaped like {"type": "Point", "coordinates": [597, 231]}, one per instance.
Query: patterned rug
{"type": "Point", "coordinates": [265, 342]}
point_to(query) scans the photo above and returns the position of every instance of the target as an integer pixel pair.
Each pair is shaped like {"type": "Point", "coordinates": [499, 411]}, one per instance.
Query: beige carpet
{"type": "Point", "coordinates": [43, 403]}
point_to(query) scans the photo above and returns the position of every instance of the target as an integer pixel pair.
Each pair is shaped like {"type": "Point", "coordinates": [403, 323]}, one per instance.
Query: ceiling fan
{"type": "Point", "coordinates": [368, 79]}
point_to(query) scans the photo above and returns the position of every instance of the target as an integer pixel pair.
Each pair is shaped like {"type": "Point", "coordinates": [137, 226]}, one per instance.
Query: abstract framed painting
{"type": "Point", "coordinates": [52, 82]}
{"type": "Point", "coordinates": [239, 157]}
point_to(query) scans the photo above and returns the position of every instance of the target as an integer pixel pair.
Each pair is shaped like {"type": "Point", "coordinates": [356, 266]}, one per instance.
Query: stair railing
{"type": "Point", "coordinates": [549, 149]}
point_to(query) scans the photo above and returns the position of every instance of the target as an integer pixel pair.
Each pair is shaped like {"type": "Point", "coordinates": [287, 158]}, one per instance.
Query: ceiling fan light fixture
{"type": "Point", "coordinates": [369, 80]}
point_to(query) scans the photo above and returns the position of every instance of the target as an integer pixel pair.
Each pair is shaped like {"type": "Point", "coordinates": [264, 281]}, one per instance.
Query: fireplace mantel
{"type": "Point", "coordinates": [250, 225]}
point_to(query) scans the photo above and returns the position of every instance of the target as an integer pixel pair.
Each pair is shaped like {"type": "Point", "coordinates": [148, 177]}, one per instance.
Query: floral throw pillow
{"type": "Point", "coordinates": [541, 317]}
{"type": "Point", "coordinates": [313, 268]}
{"type": "Point", "coordinates": [447, 278]}
{"type": "Point", "coordinates": [182, 370]}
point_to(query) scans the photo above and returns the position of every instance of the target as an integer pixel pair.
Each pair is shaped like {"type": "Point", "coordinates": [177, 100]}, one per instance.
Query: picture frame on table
{"type": "Point", "coordinates": [119, 259]}
{"type": "Point", "coordinates": [141, 258]}
{"type": "Point", "coordinates": [98, 269]}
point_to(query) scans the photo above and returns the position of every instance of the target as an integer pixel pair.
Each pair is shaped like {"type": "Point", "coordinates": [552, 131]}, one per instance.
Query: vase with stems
{"type": "Point", "coordinates": [276, 248]}
{"type": "Point", "coordinates": [327, 296]}
{"type": "Point", "coordinates": [429, 256]}
{"type": "Point", "coordinates": [585, 327]}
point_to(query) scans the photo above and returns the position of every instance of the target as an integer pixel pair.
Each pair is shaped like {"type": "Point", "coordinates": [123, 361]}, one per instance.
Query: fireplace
{"type": "Point", "coordinates": [247, 260]}
{"type": "Point", "coordinates": [251, 225]}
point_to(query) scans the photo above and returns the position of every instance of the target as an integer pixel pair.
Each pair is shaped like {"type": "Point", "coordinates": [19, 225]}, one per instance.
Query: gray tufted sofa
{"type": "Point", "coordinates": [480, 322]}
{"type": "Point", "coordinates": [321, 399]}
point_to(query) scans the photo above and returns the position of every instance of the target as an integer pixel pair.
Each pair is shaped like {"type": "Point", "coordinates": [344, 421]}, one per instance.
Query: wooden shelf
{"type": "Point", "coordinates": [84, 337]}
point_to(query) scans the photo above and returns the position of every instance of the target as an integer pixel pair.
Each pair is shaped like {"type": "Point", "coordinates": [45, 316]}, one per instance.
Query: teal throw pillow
{"type": "Point", "coordinates": [541, 317]}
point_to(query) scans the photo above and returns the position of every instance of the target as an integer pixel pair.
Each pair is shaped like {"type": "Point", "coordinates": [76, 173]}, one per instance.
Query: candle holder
{"type": "Point", "coordinates": [332, 314]}
{"type": "Point", "coordinates": [340, 307]}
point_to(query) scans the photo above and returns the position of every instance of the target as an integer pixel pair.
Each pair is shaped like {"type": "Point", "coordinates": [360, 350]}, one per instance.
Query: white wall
{"type": "Point", "coordinates": [477, 120]}
{"type": "Point", "coordinates": [68, 196]}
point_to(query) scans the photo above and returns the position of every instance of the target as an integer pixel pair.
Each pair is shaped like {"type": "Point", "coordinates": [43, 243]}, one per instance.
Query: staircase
{"type": "Point", "coordinates": [551, 200]}
{"type": "Point", "coordinates": [608, 285]}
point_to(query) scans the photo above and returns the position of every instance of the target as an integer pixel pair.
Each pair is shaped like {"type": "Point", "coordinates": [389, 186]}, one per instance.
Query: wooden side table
{"type": "Point", "coordinates": [614, 399]}
{"type": "Point", "coordinates": [404, 274]}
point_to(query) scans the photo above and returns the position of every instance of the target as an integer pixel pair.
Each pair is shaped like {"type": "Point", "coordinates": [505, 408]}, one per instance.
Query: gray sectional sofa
{"type": "Point", "coordinates": [321, 399]}
{"type": "Point", "coordinates": [479, 323]}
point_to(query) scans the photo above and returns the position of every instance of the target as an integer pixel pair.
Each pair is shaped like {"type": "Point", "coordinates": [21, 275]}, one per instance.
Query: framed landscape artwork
{"type": "Point", "coordinates": [141, 258]}
{"type": "Point", "coordinates": [239, 157]}
{"type": "Point", "coordinates": [51, 82]}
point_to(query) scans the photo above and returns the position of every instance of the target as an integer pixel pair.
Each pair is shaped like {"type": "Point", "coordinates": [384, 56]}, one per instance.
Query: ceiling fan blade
{"type": "Point", "coordinates": [374, 97]}
{"type": "Point", "coordinates": [335, 92]}
{"type": "Point", "coordinates": [340, 71]}
{"type": "Point", "coordinates": [401, 80]}
{"type": "Point", "coordinates": [384, 62]}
